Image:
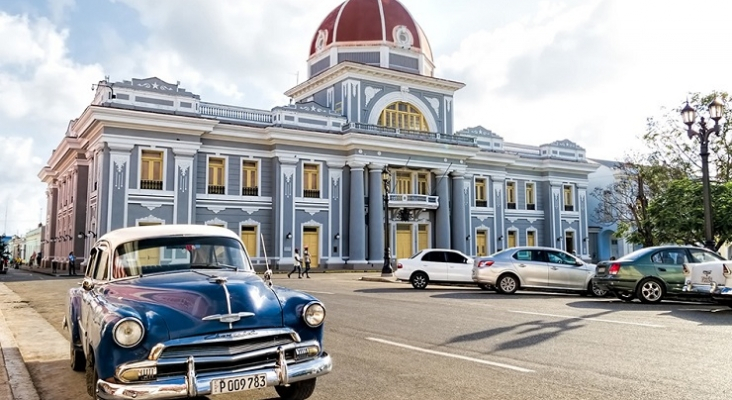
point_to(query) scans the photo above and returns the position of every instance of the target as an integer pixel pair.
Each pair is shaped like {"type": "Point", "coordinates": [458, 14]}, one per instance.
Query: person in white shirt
{"type": "Point", "coordinates": [296, 267]}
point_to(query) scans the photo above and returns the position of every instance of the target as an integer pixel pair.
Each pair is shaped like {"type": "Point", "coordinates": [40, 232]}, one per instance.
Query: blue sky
{"type": "Point", "coordinates": [590, 71]}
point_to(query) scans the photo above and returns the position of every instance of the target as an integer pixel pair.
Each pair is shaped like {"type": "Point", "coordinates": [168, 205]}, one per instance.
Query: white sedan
{"type": "Point", "coordinates": [443, 266]}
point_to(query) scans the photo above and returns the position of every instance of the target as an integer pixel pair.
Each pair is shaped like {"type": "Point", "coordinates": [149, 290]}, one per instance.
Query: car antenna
{"type": "Point", "coordinates": [268, 272]}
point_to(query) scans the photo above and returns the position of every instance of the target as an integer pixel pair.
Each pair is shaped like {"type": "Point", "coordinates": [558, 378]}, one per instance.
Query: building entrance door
{"type": "Point", "coordinates": [423, 238]}
{"type": "Point", "coordinates": [569, 242]}
{"type": "Point", "coordinates": [311, 238]}
{"type": "Point", "coordinates": [249, 237]}
{"type": "Point", "coordinates": [404, 241]}
{"type": "Point", "coordinates": [481, 243]}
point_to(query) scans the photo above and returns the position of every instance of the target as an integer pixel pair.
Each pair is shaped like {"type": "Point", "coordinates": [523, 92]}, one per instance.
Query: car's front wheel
{"type": "Point", "coordinates": [419, 280]}
{"type": "Point", "coordinates": [507, 284]}
{"type": "Point", "coordinates": [297, 391]}
{"type": "Point", "coordinates": [76, 354]}
{"type": "Point", "coordinates": [593, 290]}
{"type": "Point", "coordinates": [91, 377]}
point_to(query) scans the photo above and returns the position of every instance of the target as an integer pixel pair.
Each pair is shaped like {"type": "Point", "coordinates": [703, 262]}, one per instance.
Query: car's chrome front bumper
{"type": "Point", "coordinates": [192, 385]}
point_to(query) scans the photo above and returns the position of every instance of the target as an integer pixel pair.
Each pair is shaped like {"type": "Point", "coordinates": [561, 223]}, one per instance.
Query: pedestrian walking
{"type": "Point", "coordinates": [72, 264]}
{"type": "Point", "coordinates": [297, 266]}
{"type": "Point", "coordinates": [32, 259]}
{"type": "Point", "coordinates": [306, 255]}
{"type": "Point", "coordinates": [39, 256]}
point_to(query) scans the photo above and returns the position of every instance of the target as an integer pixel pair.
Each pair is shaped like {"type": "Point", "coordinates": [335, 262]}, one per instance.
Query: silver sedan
{"type": "Point", "coordinates": [540, 268]}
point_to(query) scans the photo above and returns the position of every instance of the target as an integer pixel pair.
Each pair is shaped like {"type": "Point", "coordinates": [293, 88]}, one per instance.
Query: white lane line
{"type": "Point", "coordinates": [459, 357]}
{"type": "Point", "coordinates": [611, 321]}
{"type": "Point", "coordinates": [313, 291]}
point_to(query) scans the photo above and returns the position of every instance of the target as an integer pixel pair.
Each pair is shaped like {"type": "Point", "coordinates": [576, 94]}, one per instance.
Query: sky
{"type": "Point", "coordinates": [591, 71]}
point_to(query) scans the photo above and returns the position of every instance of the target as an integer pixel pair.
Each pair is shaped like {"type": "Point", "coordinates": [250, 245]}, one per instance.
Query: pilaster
{"type": "Point", "coordinates": [335, 217]}
{"type": "Point", "coordinates": [357, 217]}
{"type": "Point", "coordinates": [184, 189]}
{"type": "Point", "coordinates": [119, 177]}
{"type": "Point", "coordinates": [498, 185]}
{"type": "Point", "coordinates": [584, 234]}
{"type": "Point", "coordinates": [287, 171]}
{"type": "Point", "coordinates": [376, 213]}
{"type": "Point", "coordinates": [442, 217]}
{"type": "Point", "coordinates": [459, 235]}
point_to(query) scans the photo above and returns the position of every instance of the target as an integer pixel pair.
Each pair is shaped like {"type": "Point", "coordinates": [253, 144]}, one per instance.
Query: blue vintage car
{"type": "Point", "coordinates": [177, 311]}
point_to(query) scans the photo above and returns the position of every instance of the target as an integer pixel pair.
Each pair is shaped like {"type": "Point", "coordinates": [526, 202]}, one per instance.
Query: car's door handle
{"type": "Point", "coordinates": [554, 268]}
{"type": "Point", "coordinates": [662, 269]}
{"type": "Point", "coordinates": [522, 265]}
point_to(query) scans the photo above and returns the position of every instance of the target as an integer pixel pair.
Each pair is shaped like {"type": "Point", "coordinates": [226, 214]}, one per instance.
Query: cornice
{"type": "Point", "coordinates": [349, 68]}
{"type": "Point", "coordinates": [144, 120]}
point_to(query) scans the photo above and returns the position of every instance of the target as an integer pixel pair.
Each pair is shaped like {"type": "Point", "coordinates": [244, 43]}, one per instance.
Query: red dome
{"type": "Point", "coordinates": [370, 21]}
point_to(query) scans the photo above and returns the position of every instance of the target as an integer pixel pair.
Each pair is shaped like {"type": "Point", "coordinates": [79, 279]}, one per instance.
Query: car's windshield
{"type": "Point", "coordinates": [170, 254]}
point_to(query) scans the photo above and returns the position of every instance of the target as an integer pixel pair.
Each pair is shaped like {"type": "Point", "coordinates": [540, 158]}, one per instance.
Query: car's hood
{"type": "Point", "coordinates": [193, 302]}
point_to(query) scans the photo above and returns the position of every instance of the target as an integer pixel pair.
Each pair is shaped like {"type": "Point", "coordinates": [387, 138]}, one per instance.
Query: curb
{"type": "Point", "coordinates": [19, 379]}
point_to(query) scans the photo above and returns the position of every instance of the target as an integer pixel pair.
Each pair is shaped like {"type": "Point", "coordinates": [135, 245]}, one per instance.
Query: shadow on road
{"type": "Point", "coordinates": [529, 333]}
{"type": "Point", "coordinates": [702, 313]}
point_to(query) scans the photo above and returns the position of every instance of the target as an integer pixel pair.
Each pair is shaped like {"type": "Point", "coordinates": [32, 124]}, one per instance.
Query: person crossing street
{"type": "Point", "coordinates": [306, 255]}
{"type": "Point", "coordinates": [297, 266]}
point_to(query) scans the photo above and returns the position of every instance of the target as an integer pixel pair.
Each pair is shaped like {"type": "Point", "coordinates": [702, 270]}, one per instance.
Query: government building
{"type": "Point", "coordinates": [309, 173]}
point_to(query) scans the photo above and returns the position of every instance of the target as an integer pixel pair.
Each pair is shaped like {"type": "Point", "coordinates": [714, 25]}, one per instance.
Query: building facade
{"type": "Point", "coordinates": [33, 243]}
{"type": "Point", "coordinates": [604, 243]}
{"type": "Point", "coordinates": [310, 173]}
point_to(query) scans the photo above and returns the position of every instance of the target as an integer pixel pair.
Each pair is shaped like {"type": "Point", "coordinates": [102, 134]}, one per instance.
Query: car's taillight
{"type": "Point", "coordinates": [399, 266]}
{"type": "Point", "coordinates": [614, 268]}
{"type": "Point", "coordinates": [725, 270]}
{"type": "Point", "coordinates": [485, 263]}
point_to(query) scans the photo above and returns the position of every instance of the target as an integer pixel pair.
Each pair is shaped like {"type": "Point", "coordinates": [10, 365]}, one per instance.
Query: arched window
{"type": "Point", "coordinates": [403, 116]}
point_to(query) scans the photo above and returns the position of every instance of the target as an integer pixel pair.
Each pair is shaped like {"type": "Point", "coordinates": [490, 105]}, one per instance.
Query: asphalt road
{"type": "Point", "coordinates": [391, 341]}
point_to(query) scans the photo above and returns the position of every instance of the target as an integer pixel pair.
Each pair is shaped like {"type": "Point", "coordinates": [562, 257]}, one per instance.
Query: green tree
{"type": "Point", "coordinates": [668, 142]}
{"type": "Point", "coordinates": [678, 215]}
{"type": "Point", "coordinates": [625, 201]}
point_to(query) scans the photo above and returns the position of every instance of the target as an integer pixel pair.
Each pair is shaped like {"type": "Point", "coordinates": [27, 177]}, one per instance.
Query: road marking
{"type": "Point", "coordinates": [313, 291]}
{"type": "Point", "coordinates": [589, 319]}
{"type": "Point", "coordinates": [459, 357]}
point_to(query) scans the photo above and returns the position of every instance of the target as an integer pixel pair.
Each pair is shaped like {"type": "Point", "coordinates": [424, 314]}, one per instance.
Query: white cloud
{"type": "Point", "coordinates": [39, 94]}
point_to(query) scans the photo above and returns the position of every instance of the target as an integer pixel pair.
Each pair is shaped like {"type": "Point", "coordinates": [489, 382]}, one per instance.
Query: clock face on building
{"type": "Point", "coordinates": [403, 37]}
{"type": "Point", "coordinates": [321, 39]}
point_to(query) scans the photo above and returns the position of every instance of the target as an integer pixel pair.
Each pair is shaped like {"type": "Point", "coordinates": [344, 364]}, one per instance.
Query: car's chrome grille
{"type": "Point", "coordinates": [257, 351]}
{"type": "Point", "coordinates": [226, 349]}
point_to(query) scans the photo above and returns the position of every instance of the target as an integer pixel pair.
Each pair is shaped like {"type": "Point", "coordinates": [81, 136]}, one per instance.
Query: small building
{"type": "Point", "coordinates": [309, 173]}
{"type": "Point", "coordinates": [33, 243]}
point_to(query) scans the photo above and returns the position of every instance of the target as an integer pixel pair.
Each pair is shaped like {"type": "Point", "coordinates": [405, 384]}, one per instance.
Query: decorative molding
{"type": "Point", "coordinates": [216, 210]}
{"type": "Point", "coordinates": [250, 210]}
{"type": "Point", "coordinates": [404, 89]}
{"type": "Point", "coordinates": [481, 218]}
{"type": "Point", "coordinates": [435, 103]}
{"type": "Point", "coordinates": [311, 211]}
{"type": "Point", "coordinates": [448, 104]}
{"type": "Point", "coordinates": [151, 206]}
{"type": "Point", "coordinates": [184, 167]}
{"type": "Point", "coordinates": [216, 221]}
{"type": "Point", "coordinates": [335, 183]}
{"type": "Point", "coordinates": [120, 163]}
{"type": "Point", "coordinates": [370, 93]}
{"type": "Point", "coordinates": [150, 218]}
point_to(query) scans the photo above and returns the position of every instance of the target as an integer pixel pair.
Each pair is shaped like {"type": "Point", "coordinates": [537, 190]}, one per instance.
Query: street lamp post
{"type": "Point", "coordinates": [386, 270]}
{"type": "Point", "coordinates": [688, 114]}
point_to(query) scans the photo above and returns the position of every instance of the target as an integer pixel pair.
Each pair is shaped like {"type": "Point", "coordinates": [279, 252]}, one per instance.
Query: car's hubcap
{"type": "Point", "coordinates": [598, 292]}
{"type": "Point", "coordinates": [420, 281]}
{"type": "Point", "coordinates": [508, 284]}
{"type": "Point", "coordinates": [651, 291]}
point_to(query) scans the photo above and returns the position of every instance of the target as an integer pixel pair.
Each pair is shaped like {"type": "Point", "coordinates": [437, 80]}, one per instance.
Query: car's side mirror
{"type": "Point", "coordinates": [87, 284]}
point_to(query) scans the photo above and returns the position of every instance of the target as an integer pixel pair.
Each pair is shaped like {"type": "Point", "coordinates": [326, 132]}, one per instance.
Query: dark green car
{"type": "Point", "coordinates": [651, 274]}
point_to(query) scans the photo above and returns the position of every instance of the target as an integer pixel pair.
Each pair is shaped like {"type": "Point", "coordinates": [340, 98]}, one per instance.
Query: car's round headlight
{"type": "Point", "coordinates": [128, 332]}
{"type": "Point", "coordinates": [313, 314]}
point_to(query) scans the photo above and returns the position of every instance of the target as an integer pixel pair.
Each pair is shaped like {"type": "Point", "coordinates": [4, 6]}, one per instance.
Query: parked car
{"type": "Point", "coordinates": [177, 311]}
{"type": "Point", "coordinates": [440, 266]}
{"type": "Point", "coordinates": [651, 274]}
{"type": "Point", "coordinates": [535, 268]}
{"type": "Point", "coordinates": [713, 278]}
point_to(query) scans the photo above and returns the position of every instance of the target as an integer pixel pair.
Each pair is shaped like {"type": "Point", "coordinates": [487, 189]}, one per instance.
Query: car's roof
{"type": "Point", "coordinates": [124, 235]}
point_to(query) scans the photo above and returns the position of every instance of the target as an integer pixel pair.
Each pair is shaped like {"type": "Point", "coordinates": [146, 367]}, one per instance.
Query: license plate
{"type": "Point", "coordinates": [600, 270]}
{"type": "Point", "coordinates": [238, 384]}
{"type": "Point", "coordinates": [707, 279]}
